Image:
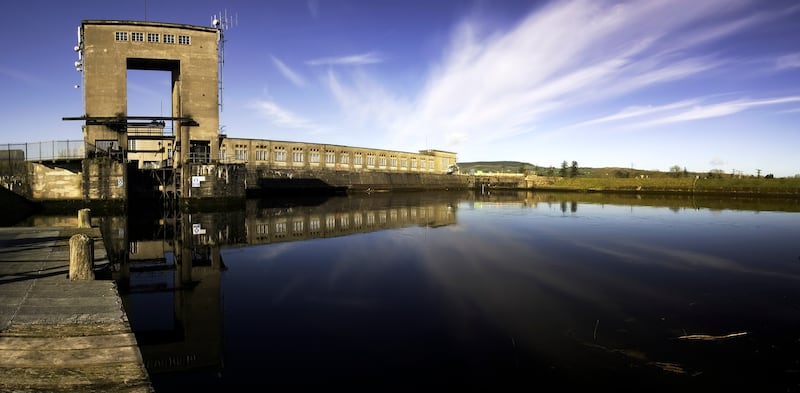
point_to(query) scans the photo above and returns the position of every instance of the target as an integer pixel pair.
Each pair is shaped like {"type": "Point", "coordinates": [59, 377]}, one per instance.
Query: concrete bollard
{"type": "Point", "coordinates": [81, 257]}
{"type": "Point", "coordinates": [84, 218]}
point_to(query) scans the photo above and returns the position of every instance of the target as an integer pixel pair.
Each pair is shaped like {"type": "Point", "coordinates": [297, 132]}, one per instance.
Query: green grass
{"type": "Point", "coordinates": [755, 186]}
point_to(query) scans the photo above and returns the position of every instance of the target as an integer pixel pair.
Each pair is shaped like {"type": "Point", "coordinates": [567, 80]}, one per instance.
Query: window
{"type": "Point", "coordinates": [330, 157]}
{"type": "Point", "coordinates": [152, 37]}
{"type": "Point", "coordinates": [121, 35]}
{"type": "Point", "coordinates": [261, 154]}
{"type": "Point", "coordinates": [357, 159]}
{"type": "Point", "coordinates": [344, 158]}
{"type": "Point", "coordinates": [297, 154]}
{"type": "Point", "coordinates": [393, 162]}
{"type": "Point", "coordinates": [403, 163]}
{"type": "Point", "coordinates": [169, 38]}
{"type": "Point", "coordinates": [137, 36]}
{"type": "Point", "coordinates": [241, 153]}
{"type": "Point", "coordinates": [370, 159]}
{"type": "Point", "coordinates": [414, 163]}
{"type": "Point", "coordinates": [445, 163]}
{"type": "Point", "coordinates": [330, 221]}
{"type": "Point", "coordinates": [313, 156]}
{"type": "Point", "coordinates": [382, 161]}
{"type": "Point", "coordinates": [280, 154]}
{"type": "Point", "coordinates": [131, 144]}
{"type": "Point", "coordinates": [223, 155]}
{"type": "Point", "coordinates": [184, 40]}
{"type": "Point", "coordinates": [422, 164]}
{"type": "Point", "coordinates": [430, 164]}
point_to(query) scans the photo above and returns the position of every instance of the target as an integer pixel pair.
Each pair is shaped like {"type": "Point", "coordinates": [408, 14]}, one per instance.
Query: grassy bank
{"type": "Point", "coordinates": [729, 186]}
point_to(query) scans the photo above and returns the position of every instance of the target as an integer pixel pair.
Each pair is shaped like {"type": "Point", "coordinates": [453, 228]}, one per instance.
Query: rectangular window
{"type": "Point", "coordinates": [422, 164]}
{"type": "Point", "coordinates": [169, 38]}
{"type": "Point", "coordinates": [313, 157]}
{"type": "Point", "coordinates": [330, 222]}
{"type": "Point", "coordinates": [184, 40]}
{"type": "Point", "coordinates": [131, 144]}
{"type": "Point", "coordinates": [121, 35]}
{"type": "Point", "coordinates": [280, 154]}
{"type": "Point", "coordinates": [381, 161]}
{"type": "Point", "coordinates": [403, 163]}
{"type": "Point", "coordinates": [241, 154]}
{"type": "Point", "coordinates": [393, 162]}
{"type": "Point", "coordinates": [344, 158]}
{"type": "Point", "coordinates": [137, 36]}
{"type": "Point", "coordinates": [370, 159]}
{"type": "Point", "coordinates": [330, 157]}
{"type": "Point", "coordinates": [262, 155]}
{"type": "Point", "coordinates": [357, 159]}
{"type": "Point", "coordinates": [414, 163]}
{"type": "Point", "coordinates": [430, 164]}
{"type": "Point", "coordinates": [297, 155]}
{"type": "Point", "coordinates": [152, 37]}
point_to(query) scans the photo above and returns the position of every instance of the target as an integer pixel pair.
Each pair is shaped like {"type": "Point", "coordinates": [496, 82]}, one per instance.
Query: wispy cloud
{"type": "Point", "coordinates": [497, 84]}
{"type": "Point", "coordinates": [681, 111]}
{"type": "Point", "coordinates": [282, 117]}
{"type": "Point", "coordinates": [788, 61]}
{"type": "Point", "coordinates": [287, 72]}
{"type": "Point", "coordinates": [22, 76]}
{"type": "Point", "coordinates": [357, 59]}
{"type": "Point", "coordinates": [717, 110]}
{"type": "Point", "coordinates": [313, 8]}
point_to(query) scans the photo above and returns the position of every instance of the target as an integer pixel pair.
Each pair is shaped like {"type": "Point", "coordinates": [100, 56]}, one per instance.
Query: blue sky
{"type": "Point", "coordinates": [703, 84]}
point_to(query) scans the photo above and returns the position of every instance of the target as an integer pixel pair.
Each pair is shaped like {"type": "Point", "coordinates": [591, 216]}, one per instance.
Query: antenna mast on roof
{"type": "Point", "coordinates": [222, 22]}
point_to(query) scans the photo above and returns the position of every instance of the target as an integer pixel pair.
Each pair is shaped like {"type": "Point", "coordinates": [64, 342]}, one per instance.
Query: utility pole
{"type": "Point", "coordinates": [758, 172]}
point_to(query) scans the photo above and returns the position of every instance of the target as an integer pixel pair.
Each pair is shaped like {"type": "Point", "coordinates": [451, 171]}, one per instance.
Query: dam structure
{"type": "Point", "coordinates": [184, 155]}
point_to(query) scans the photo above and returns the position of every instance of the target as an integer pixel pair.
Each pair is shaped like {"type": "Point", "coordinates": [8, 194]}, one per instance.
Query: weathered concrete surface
{"type": "Point", "coordinates": [58, 335]}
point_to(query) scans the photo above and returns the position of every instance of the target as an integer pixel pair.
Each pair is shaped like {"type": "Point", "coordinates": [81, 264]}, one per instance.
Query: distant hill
{"type": "Point", "coordinates": [602, 172]}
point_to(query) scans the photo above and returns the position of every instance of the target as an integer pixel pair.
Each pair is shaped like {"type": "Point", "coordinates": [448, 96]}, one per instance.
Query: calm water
{"type": "Point", "coordinates": [519, 291]}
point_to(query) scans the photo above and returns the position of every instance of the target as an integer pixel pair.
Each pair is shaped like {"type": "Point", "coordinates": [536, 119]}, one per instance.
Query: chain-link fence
{"type": "Point", "coordinates": [14, 155]}
{"type": "Point", "coordinates": [41, 151]}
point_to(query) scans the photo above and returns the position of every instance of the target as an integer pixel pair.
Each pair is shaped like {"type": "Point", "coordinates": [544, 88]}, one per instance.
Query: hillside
{"type": "Point", "coordinates": [585, 172]}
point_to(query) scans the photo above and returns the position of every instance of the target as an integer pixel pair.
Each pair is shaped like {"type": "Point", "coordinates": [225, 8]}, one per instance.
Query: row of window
{"type": "Point", "coordinates": [152, 38]}
{"type": "Point", "coordinates": [298, 156]}
{"type": "Point", "coordinates": [343, 221]}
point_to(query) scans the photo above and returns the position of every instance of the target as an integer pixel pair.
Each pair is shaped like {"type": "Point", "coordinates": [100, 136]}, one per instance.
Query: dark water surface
{"type": "Point", "coordinates": [456, 291]}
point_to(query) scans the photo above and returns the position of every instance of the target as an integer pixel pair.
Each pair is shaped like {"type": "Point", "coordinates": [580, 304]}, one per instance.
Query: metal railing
{"type": "Point", "coordinates": [43, 151]}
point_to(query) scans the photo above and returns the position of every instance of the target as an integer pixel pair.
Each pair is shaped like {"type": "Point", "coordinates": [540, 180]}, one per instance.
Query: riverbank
{"type": "Point", "coordinates": [752, 187]}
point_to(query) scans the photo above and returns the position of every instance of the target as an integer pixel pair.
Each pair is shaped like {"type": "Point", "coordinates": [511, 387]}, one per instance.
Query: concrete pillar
{"type": "Point", "coordinates": [81, 257]}
{"type": "Point", "coordinates": [84, 218]}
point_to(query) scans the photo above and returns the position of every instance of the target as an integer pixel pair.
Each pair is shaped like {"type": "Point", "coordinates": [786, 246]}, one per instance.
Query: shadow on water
{"type": "Point", "coordinates": [451, 290]}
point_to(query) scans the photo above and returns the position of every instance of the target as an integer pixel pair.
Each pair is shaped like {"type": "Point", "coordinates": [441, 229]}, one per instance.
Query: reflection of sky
{"type": "Point", "coordinates": [535, 275]}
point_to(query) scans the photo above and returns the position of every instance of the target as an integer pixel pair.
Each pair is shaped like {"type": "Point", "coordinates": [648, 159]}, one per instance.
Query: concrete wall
{"type": "Point", "coordinates": [104, 179]}
{"type": "Point", "coordinates": [54, 182]}
{"type": "Point", "coordinates": [96, 179]}
{"type": "Point", "coordinates": [216, 181]}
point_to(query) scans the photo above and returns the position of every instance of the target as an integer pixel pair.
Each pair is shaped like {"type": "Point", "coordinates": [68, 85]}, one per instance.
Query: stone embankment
{"type": "Point", "coordinates": [57, 334]}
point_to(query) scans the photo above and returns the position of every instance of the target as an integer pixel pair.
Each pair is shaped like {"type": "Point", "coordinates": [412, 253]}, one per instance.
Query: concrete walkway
{"type": "Point", "coordinates": [60, 335]}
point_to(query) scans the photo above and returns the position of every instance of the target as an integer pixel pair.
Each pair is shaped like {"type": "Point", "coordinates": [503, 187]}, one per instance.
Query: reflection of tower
{"type": "Point", "coordinates": [176, 309]}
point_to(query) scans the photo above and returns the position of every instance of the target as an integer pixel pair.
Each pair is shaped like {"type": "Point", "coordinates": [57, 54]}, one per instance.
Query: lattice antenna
{"type": "Point", "coordinates": [223, 22]}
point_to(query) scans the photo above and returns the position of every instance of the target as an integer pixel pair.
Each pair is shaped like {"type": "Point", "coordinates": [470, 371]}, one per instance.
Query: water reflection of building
{"type": "Point", "coordinates": [172, 277]}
